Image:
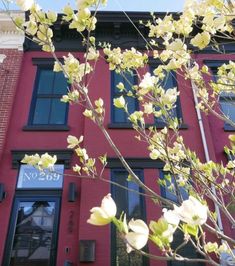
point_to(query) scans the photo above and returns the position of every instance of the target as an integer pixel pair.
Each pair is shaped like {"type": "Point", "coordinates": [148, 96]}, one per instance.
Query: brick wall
{"type": "Point", "coordinates": [9, 74]}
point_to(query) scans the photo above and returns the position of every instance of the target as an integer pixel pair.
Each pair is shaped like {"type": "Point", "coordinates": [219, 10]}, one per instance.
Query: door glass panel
{"type": "Point", "coordinates": [32, 244]}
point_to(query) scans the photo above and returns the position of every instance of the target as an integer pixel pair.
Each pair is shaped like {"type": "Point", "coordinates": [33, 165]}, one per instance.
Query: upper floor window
{"type": "Point", "coordinates": [119, 116]}
{"type": "Point", "coordinates": [226, 99]}
{"type": "Point", "coordinates": [168, 82]}
{"type": "Point", "coordinates": [132, 203]}
{"type": "Point", "coordinates": [169, 189]}
{"type": "Point", "coordinates": [46, 107]}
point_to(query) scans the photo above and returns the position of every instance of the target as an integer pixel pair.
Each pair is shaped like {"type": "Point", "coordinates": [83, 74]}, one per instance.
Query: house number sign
{"type": "Point", "coordinates": [30, 177]}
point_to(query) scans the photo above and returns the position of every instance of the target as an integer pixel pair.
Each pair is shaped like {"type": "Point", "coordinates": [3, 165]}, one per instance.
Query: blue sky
{"type": "Point", "coordinates": [127, 5]}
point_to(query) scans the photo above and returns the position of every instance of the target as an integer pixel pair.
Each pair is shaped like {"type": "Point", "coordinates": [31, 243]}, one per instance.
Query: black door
{"type": "Point", "coordinates": [32, 233]}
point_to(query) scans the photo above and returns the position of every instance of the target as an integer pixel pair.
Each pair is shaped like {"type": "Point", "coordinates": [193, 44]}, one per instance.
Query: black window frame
{"type": "Point", "coordinates": [44, 64]}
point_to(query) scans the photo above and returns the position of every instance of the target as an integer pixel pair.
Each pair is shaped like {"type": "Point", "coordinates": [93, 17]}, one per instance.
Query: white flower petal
{"type": "Point", "coordinates": [136, 240]}
{"type": "Point", "coordinates": [171, 216]}
{"type": "Point", "coordinates": [138, 226]}
{"type": "Point", "coordinates": [108, 205]}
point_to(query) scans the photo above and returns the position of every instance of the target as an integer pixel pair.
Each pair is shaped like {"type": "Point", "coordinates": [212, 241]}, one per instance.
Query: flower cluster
{"type": "Point", "coordinates": [88, 164]}
{"type": "Point", "coordinates": [73, 69]}
{"type": "Point", "coordinates": [136, 232]}
{"type": "Point", "coordinates": [41, 162]}
{"type": "Point", "coordinates": [123, 61]}
{"type": "Point", "coordinates": [38, 25]}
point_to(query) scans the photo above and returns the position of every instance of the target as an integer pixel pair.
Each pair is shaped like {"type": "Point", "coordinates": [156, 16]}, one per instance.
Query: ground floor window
{"type": "Point", "coordinates": [129, 200]}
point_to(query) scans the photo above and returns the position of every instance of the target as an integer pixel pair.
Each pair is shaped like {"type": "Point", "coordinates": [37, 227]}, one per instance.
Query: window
{"type": "Point", "coordinates": [46, 107]}
{"type": "Point", "coordinates": [169, 192]}
{"type": "Point", "coordinates": [169, 189]}
{"type": "Point", "coordinates": [168, 82]}
{"type": "Point", "coordinates": [227, 104]}
{"type": "Point", "coordinates": [133, 205]}
{"type": "Point", "coordinates": [226, 99]}
{"type": "Point", "coordinates": [118, 116]}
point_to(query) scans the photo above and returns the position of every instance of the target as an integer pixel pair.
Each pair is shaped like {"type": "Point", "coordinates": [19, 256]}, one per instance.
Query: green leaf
{"type": "Point", "coordinates": [190, 230]}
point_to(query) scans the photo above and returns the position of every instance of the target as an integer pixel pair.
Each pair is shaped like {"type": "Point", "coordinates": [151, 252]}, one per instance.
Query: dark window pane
{"type": "Point", "coordinates": [228, 108]}
{"type": "Point", "coordinates": [60, 83]}
{"type": "Point", "coordinates": [132, 204]}
{"type": "Point", "coordinates": [33, 234]}
{"type": "Point", "coordinates": [118, 193]}
{"type": "Point", "coordinates": [168, 82]}
{"type": "Point", "coordinates": [45, 81]}
{"type": "Point", "coordinates": [46, 107]}
{"type": "Point", "coordinates": [128, 79]}
{"type": "Point", "coordinates": [187, 251]}
{"type": "Point", "coordinates": [169, 191]}
{"type": "Point", "coordinates": [42, 111]}
{"type": "Point", "coordinates": [119, 115]}
{"type": "Point", "coordinates": [58, 112]}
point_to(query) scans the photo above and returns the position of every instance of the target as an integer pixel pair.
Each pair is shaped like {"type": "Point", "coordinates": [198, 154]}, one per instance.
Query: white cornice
{"type": "Point", "coordinates": [10, 37]}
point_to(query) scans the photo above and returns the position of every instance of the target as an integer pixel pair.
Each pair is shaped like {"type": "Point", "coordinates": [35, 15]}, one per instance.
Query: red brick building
{"type": "Point", "coordinates": [44, 218]}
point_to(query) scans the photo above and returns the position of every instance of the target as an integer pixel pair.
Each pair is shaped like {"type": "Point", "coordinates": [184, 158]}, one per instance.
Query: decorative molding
{"type": "Point", "coordinates": [10, 37]}
{"type": "Point", "coordinates": [63, 156]}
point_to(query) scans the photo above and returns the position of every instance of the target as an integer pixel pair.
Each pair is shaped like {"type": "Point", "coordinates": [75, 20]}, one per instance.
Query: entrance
{"type": "Point", "coordinates": [33, 230]}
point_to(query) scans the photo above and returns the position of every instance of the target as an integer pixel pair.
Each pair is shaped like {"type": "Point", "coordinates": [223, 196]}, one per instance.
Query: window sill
{"type": "Point", "coordinates": [120, 125]}
{"type": "Point", "coordinates": [129, 126]}
{"type": "Point", "coordinates": [228, 128]}
{"type": "Point", "coordinates": [46, 128]}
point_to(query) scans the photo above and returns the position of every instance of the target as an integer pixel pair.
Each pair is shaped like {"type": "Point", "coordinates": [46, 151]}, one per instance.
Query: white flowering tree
{"type": "Point", "coordinates": [206, 182]}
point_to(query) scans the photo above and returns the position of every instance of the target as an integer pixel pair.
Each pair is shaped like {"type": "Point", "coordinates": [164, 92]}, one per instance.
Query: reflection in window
{"type": "Point", "coordinates": [33, 234]}
{"type": "Point", "coordinates": [227, 104]}
{"type": "Point", "coordinates": [168, 82]}
{"type": "Point", "coordinates": [46, 107]}
{"type": "Point", "coordinates": [226, 99]}
{"type": "Point", "coordinates": [169, 188]}
{"type": "Point", "coordinates": [168, 191]}
{"type": "Point", "coordinates": [128, 79]}
{"type": "Point", "coordinates": [133, 205]}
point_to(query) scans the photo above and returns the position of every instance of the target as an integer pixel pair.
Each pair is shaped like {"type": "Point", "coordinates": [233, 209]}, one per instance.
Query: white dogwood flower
{"type": "Point", "coordinates": [192, 212]}
{"type": "Point", "coordinates": [105, 213]}
{"type": "Point", "coordinates": [138, 237]}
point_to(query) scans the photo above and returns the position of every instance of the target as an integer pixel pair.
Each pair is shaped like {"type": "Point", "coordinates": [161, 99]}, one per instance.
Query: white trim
{"type": "Point", "coordinates": [10, 37]}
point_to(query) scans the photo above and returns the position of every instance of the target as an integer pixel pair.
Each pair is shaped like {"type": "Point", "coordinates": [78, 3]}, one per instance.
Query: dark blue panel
{"type": "Point", "coordinates": [45, 81]}
{"type": "Point", "coordinates": [42, 111]}
{"type": "Point", "coordinates": [60, 83]}
{"type": "Point", "coordinates": [58, 112]}
{"type": "Point", "coordinates": [170, 194]}
{"type": "Point", "coordinates": [129, 79]}
{"type": "Point", "coordinates": [228, 108]}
